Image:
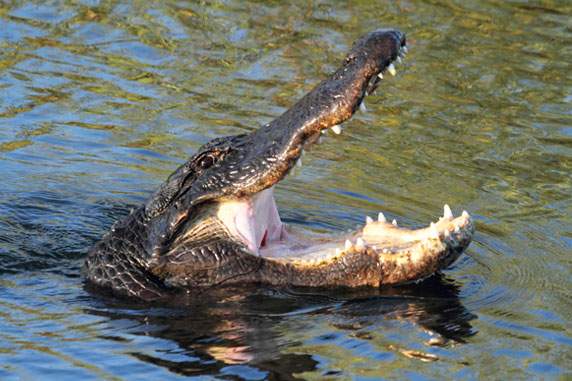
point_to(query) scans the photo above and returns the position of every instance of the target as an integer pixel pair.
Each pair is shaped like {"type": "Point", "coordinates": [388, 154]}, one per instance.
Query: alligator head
{"type": "Point", "coordinates": [214, 221]}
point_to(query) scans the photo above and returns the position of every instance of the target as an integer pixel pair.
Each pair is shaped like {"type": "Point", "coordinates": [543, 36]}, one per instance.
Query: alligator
{"type": "Point", "coordinates": [214, 221]}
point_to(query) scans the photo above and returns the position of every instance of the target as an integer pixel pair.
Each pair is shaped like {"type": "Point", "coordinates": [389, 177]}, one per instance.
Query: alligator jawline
{"type": "Point", "coordinates": [254, 220]}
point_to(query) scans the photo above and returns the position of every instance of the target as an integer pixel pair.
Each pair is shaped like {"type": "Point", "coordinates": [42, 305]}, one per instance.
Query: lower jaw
{"type": "Point", "coordinates": [379, 237]}
{"type": "Point", "coordinates": [255, 222]}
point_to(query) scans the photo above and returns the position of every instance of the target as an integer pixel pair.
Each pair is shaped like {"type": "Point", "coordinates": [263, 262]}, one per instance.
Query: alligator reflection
{"type": "Point", "coordinates": [433, 305]}
{"type": "Point", "coordinates": [250, 325]}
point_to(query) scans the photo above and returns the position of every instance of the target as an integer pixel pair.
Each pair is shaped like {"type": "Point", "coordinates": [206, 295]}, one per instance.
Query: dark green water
{"type": "Point", "coordinates": [100, 101]}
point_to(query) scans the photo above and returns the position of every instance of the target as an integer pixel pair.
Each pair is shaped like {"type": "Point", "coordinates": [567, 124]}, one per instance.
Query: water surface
{"type": "Point", "coordinates": [100, 101]}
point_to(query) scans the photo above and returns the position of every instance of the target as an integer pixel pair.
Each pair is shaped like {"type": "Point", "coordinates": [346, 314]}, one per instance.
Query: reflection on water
{"type": "Point", "coordinates": [248, 326]}
{"type": "Point", "coordinates": [100, 101]}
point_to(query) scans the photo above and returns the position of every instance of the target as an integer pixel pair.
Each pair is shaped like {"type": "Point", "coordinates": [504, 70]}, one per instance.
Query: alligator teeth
{"type": "Point", "coordinates": [337, 129]}
{"type": "Point", "coordinates": [381, 217]}
{"type": "Point", "coordinates": [362, 107]}
{"type": "Point", "coordinates": [360, 243]}
{"type": "Point", "coordinates": [399, 59]}
{"type": "Point", "coordinates": [391, 69]}
{"type": "Point", "coordinates": [394, 222]}
{"type": "Point", "coordinates": [299, 162]}
{"type": "Point", "coordinates": [457, 229]}
{"type": "Point", "coordinates": [368, 220]}
{"type": "Point", "coordinates": [338, 251]}
{"type": "Point", "coordinates": [348, 244]}
{"type": "Point", "coordinates": [447, 234]}
{"type": "Point", "coordinates": [320, 140]}
{"type": "Point", "coordinates": [404, 49]}
{"type": "Point", "coordinates": [465, 214]}
{"type": "Point", "coordinates": [380, 76]}
{"type": "Point", "coordinates": [434, 230]}
{"type": "Point", "coordinates": [447, 213]}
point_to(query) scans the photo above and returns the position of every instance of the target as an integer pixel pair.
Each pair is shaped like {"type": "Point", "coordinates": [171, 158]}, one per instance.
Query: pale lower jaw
{"type": "Point", "coordinates": [381, 236]}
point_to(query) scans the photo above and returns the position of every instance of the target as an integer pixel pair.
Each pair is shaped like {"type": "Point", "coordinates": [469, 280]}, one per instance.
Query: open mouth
{"type": "Point", "coordinates": [255, 221]}
{"type": "Point", "coordinates": [214, 221]}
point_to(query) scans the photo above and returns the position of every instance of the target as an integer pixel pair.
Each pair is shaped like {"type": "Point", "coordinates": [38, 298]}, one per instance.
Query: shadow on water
{"type": "Point", "coordinates": [245, 325]}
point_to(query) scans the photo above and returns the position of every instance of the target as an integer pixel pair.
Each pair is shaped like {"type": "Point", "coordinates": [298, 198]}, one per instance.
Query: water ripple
{"type": "Point", "coordinates": [99, 102]}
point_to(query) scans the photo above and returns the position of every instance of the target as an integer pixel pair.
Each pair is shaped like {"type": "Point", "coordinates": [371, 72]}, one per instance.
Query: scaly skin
{"type": "Point", "coordinates": [177, 242]}
{"type": "Point", "coordinates": [375, 262]}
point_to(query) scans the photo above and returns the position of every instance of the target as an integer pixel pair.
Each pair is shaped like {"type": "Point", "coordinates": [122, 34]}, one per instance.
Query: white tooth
{"type": "Point", "coordinates": [338, 251]}
{"type": "Point", "coordinates": [394, 222]}
{"type": "Point", "coordinates": [447, 213]}
{"type": "Point", "coordinates": [360, 242]}
{"type": "Point", "coordinates": [348, 244]}
{"type": "Point", "coordinates": [391, 69]}
{"type": "Point", "coordinates": [362, 107]}
{"type": "Point", "coordinates": [337, 129]}
{"type": "Point", "coordinates": [404, 48]}
{"type": "Point", "coordinates": [447, 234]}
{"type": "Point", "coordinates": [385, 251]}
{"type": "Point", "coordinates": [399, 59]}
{"type": "Point", "coordinates": [299, 162]}
{"type": "Point", "coordinates": [380, 76]}
{"type": "Point", "coordinates": [374, 248]}
{"type": "Point", "coordinates": [368, 220]}
{"type": "Point", "coordinates": [303, 153]}
{"type": "Point", "coordinates": [381, 217]}
{"type": "Point", "coordinates": [434, 230]}
{"type": "Point", "coordinates": [465, 214]}
{"type": "Point", "coordinates": [320, 140]}
{"type": "Point", "coordinates": [457, 229]}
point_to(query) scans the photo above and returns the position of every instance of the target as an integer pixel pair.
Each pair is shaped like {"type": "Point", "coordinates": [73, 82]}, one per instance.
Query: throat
{"type": "Point", "coordinates": [254, 220]}
{"type": "Point", "coordinates": [256, 223]}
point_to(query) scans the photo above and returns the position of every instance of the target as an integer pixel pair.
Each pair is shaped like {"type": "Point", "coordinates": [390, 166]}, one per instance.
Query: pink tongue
{"type": "Point", "coordinates": [259, 221]}
{"type": "Point", "coordinates": [244, 224]}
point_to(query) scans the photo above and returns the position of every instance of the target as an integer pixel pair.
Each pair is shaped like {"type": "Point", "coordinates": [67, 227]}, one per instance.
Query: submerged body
{"type": "Point", "coordinates": [215, 222]}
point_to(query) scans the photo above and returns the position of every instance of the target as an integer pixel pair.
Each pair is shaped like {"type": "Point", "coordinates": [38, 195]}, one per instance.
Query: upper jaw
{"type": "Point", "coordinates": [264, 157]}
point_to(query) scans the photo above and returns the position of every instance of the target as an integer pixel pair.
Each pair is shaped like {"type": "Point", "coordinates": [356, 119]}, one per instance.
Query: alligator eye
{"type": "Point", "coordinates": [207, 162]}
